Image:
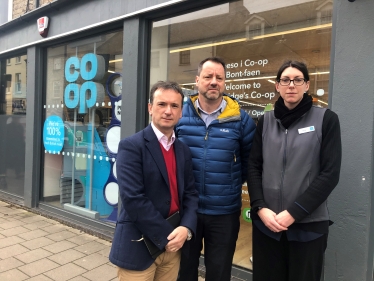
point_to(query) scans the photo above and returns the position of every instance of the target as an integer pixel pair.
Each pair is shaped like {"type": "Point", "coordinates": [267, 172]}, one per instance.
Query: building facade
{"type": "Point", "coordinates": [70, 91]}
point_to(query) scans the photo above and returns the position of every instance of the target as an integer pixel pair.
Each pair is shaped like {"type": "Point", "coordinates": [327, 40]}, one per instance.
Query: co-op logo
{"type": "Point", "coordinates": [90, 68]}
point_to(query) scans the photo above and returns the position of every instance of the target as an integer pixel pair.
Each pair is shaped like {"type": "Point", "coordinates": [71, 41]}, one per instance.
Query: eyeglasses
{"type": "Point", "coordinates": [287, 81]}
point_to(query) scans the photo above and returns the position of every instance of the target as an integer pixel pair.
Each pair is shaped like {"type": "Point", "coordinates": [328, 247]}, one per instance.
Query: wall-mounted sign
{"type": "Point", "coordinates": [53, 134]}
{"type": "Point", "coordinates": [246, 214]}
{"type": "Point", "coordinates": [43, 26]}
{"type": "Point", "coordinates": [240, 84]}
{"type": "Point", "coordinates": [90, 68]}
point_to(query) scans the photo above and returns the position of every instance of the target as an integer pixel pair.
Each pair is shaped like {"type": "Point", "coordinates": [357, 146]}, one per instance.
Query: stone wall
{"type": "Point", "coordinates": [21, 7]}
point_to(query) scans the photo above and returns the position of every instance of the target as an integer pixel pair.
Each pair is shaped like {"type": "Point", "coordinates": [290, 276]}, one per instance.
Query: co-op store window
{"type": "Point", "coordinates": [13, 108]}
{"type": "Point", "coordinates": [82, 125]}
{"type": "Point", "coordinates": [254, 37]}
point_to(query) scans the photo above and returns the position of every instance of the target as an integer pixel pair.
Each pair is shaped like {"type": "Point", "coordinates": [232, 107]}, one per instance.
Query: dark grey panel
{"type": "Point", "coordinates": [91, 226]}
{"type": "Point", "coordinates": [134, 81]}
{"type": "Point", "coordinates": [33, 126]}
{"type": "Point", "coordinates": [349, 255]}
{"type": "Point", "coordinates": [69, 18]}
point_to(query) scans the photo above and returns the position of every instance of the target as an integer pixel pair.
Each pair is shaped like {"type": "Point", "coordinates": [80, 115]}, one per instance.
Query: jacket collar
{"type": "Point", "coordinates": [153, 146]}
{"type": "Point", "coordinates": [231, 112]}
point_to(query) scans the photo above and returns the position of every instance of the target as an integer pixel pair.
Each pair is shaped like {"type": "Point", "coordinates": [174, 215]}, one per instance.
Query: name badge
{"type": "Point", "coordinates": [306, 130]}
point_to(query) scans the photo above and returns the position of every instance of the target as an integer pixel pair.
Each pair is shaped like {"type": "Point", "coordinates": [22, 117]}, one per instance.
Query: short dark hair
{"type": "Point", "coordinates": [213, 59]}
{"type": "Point", "coordinates": [165, 85]}
{"type": "Point", "coordinates": [296, 64]}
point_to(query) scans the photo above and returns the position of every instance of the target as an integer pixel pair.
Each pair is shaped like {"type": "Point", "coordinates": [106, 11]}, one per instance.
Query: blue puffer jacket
{"type": "Point", "coordinates": [219, 154]}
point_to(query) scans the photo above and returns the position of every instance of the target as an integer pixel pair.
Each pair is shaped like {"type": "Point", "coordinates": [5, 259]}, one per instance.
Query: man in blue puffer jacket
{"type": "Point", "coordinates": [219, 135]}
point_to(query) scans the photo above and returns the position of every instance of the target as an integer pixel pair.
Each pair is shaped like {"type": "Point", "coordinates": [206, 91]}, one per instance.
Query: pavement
{"type": "Point", "coordinates": [37, 248]}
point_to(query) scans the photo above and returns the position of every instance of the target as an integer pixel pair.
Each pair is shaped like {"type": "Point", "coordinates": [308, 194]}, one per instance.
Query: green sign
{"type": "Point", "coordinates": [268, 107]}
{"type": "Point", "coordinates": [246, 213]}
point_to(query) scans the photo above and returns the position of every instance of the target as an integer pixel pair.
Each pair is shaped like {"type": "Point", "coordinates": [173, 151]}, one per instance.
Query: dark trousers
{"type": "Point", "coordinates": [220, 234]}
{"type": "Point", "coordinates": [287, 260]}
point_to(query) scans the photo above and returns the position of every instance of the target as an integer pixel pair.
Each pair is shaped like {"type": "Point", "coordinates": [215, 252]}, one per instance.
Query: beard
{"type": "Point", "coordinates": [211, 96]}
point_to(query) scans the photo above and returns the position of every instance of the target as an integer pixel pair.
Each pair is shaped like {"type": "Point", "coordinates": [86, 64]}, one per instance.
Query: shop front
{"type": "Point", "coordinates": [13, 108]}
{"type": "Point", "coordinates": [253, 38]}
{"type": "Point", "coordinates": [67, 99]}
{"type": "Point", "coordinates": [82, 125]}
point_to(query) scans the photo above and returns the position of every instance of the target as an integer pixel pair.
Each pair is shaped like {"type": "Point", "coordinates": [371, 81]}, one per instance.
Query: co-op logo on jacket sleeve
{"type": "Point", "coordinates": [91, 68]}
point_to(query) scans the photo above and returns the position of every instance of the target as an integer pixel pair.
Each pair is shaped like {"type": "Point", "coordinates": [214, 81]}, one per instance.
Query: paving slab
{"type": "Point", "coordinates": [11, 224]}
{"type": "Point", "coordinates": [55, 228]}
{"type": "Point", "coordinates": [91, 261]}
{"type": "Point", "coordinates": [37, 243]}
{"type": "Point", "coordinates": [33, 234]}
{"type": "Point", "coordinates": [104, 242]}
{"type": "Point", "coordinates": [67, 256]}
{"type": "Point", "coordinates": [26, 214]}
{"type": "Point", "coordinates": [82, 239]}
{"type": "Point", "coordinates": [9, 241]}
{"type": "Point", "coordinates": [33, 255]}
{"type": "Point", "coordinates": [36, 248]}
{"type": "Point", "coordinates": [60, 246]}
{"type": "Point", "coordinates": [80, 278]}
{"type": "Point", "coordinates": [32, 219]}
{"type": "Point", "coordinates": [14, 231]}
{"type": "Point", "coordinates": [91, 247]}
{"type": "Point", "coordinates": [104, 252]}
{"type": "Point", "coordinates": [11, 210]}
{"type": "Point", "coordinates": [40, 277]}
{"type": "Point", "coordinates": [13, 250]}
{"type": "Point", "coordinates": [10, 218]}
{"type": "Point", "coordinates": [13, 275]}
{"type": "Point", "coordinates": [38, 224]}
{"type": "Point", "coordinates": [61, 235]}
{"type": "Point", "coordinates": [38, 267]}
{"type": "Point", "coordinates": [65, 272]}
{"type": "Point", "coordinates": [101, 273]}
{"type": "Point", "coordinates": [9, 263]}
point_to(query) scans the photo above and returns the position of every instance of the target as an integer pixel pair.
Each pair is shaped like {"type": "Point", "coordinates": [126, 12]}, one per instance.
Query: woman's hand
{"type": "Point", "coordinates": [284, 219]}
{"type": "Point", "coordinates": [268, 218]}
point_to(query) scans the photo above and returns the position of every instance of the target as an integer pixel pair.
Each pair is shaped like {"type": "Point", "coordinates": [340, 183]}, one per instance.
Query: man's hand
{"type": "Point", "coordinates": [268, 218]}
{"type": "Point", "coordinates": [284, 219]}
{"type": "Point", "coordinates": [176, 239]}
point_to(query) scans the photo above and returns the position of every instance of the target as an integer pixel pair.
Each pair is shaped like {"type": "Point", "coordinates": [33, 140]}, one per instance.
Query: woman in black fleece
{"type": "Point", "coordinates": [293, 167]}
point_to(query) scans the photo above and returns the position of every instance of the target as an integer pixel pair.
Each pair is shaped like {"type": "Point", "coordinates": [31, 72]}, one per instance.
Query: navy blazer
{"type": "Point", "coordinates": [145, 195]}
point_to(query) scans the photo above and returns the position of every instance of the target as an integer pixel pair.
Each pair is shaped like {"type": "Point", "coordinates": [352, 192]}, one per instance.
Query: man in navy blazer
{"type": "Point", "coordinates": [154, 172]}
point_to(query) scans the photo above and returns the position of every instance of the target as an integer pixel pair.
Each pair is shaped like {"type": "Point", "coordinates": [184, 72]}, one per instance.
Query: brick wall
{"type": "Point", "coordinates": [43, 2]}
{"type": "Point", "coordinates": [20, 6]}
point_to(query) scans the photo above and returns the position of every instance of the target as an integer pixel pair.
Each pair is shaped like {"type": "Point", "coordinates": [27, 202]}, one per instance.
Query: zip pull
{"type": "Point", "coordinates": [206, 135]}
{"type": "Point", "coordinates": [234, 157]}
{"type": "Point", "coordinates": [141, 239]}
{"type": "Point", "coordinates": [286, 131]}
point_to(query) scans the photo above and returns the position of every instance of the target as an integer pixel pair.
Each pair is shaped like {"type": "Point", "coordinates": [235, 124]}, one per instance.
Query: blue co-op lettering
{"type": "Point", "coordinates": [91, 68]}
